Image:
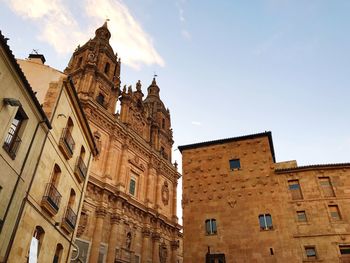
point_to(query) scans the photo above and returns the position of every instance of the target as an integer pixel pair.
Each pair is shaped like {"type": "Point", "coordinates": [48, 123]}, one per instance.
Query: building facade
{"type": "Point", "coordinates": [23, 129]}
{"type": "Point", "coordinates": [239, 205]}
{"type": "Point", "coordinates": [129, 211]}
{"type": "Point", "coordinates": [47, 225]}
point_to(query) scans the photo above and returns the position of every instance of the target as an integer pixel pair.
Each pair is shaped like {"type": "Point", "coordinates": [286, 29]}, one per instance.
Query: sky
{"type": "Point", "coordinates": [224, 68]}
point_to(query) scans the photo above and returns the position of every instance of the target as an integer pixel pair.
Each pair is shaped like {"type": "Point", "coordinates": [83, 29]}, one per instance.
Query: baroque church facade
{"type": "Point", "coordinates": [129, 210]}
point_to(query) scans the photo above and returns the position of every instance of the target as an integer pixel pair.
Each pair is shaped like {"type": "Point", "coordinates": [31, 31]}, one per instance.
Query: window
{"type": "Point", "coordinates": [210, 226]}
{"type": "Point", "coordinates": [51, 199]}
{"type": "Point", "coordinates": [344, 249]}
{"type": "Point", "coordinates": [310, 252]}
{"type": "Point", "coordinates": [67, 143]}
{"type": "Point", "coordinates": [326, 186]}
{"type": "Point", "coordinates": [107, 66]}
{"type": "Point", "coordinates": [265, 222]}
{"type": "Point", "coordinates": [334, 212]}
{"type": "Point", "coordinates": [58, 253]}
{"type": "Point", "coordinates": [13, 140]}
{"type": "Point", "coordinates": [295, 189]}
{"type": "Point", "coordinates": [35, 244]}
{"type": "Point", "coordinates": [132, 186]}
{"type": "Point", "coordinates": [81, 168]}
{"type": "Point", "coordinates": [163, 123]}
{"type": "Point", "coordinates": [235, 164]}
{"type": "Point", "coordinates": [301, 216]}
{"type": "Point", "coordinates": [100, 99]}
{"type": "Point", "coordinates": [79, 62]}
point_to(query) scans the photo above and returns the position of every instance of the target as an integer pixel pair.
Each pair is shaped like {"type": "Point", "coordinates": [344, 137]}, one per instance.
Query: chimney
{"type": "Point", "coordinates": [38, 58]}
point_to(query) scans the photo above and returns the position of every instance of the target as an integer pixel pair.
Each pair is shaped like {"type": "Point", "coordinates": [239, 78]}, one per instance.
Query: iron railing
{"type": "Point", "coordinates": [68, 140]}
{"type": "Point", "coordinates": [12, 143]}
{"type": "Point", "coordinates": [70, 217]}
{"type": "Point", "coordinates": [52, 196]}
{"type": "Point", "coordinates": [81, 167]}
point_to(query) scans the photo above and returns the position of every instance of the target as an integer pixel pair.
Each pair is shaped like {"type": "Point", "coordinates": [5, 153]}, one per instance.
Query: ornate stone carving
{"type": "Point", "coordinates": [97, 137]}
{"type": "Point", "coordinates": [165, 193]}
{"type": "Point", "coordinates": [163, 253]}
{"type": "Point", "coordinates": [101, 212]}
{"type": "Point", "coordinates": [82, 223]}
{"type": "Point", "coordinates": [128, 240]}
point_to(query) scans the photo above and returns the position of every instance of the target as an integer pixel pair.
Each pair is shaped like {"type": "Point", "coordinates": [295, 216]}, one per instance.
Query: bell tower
{"type": "Point", "coordinates": [95, 71]}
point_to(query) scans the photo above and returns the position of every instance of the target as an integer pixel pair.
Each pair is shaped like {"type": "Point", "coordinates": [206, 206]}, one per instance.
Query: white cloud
{"type": "Point", "coordinates": [60, 29]}
{"type": "Point", "coordinates": [131, 42]}
{"type": "Point", "coordinates": [196, 123]}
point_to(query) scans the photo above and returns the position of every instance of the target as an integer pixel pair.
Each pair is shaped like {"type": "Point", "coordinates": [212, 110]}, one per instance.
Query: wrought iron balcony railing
{"type": "Point", "coordinates": [81, 169]}
{"type": "Point", "coordinates": [67, 143]}
{"type": "Point", "coordinates": [12, 143]}
{"type": "Point", "coordinates": [51, 199]}
{"type": "Point", "coordinates": [70, 218]}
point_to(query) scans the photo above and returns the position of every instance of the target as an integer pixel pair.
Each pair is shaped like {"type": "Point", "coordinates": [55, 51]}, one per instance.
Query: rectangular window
{"type": "Point", "coordinates": [301, 216]}
{"type": "Point", "coordinates": [265, 222]}
{"type": "Point", "coordinates": [344, 250]}
{"type": "Point", "coordinates": [310, 252]}
{"type": "Point", "coordinates": [235, 164]}
{"type": "Point", "coordinates": [210, 226]}
{"type": "Point", "coordinates": [13, 140]}
{"type": "Point", "coordinates": [326, 186]}
{"type": "Point", "coordinates": [334, 212]}
{"type": "Point", "coordinates": [295, 189]}
{"type": "Point", "coordinates": [132, 186]}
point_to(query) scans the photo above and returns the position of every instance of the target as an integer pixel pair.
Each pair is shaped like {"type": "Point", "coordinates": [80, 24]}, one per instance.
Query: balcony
{"type": "Point", "coordinates": [80, 170]}
{"type": "Point", "coordinates": [69, 221]}
{"type": "Point", "coordinates": [12, 143]}
{"type": "Point", "coordinates": [51, 199]}
{"type": "Point", "coordinates": [67, 143]}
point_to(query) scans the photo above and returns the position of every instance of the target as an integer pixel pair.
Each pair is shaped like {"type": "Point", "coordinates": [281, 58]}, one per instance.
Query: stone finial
{"type": "Point", "coordinates": [138, 85]}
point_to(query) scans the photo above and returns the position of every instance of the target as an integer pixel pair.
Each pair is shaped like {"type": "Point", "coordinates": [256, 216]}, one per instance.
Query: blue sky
{"type": "Point", "coordinates": [225, 68]}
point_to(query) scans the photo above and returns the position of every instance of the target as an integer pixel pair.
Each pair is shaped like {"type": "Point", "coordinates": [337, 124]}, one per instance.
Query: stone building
{"type": "Point", "coordinates": [239, 205]}
{"type": "Point", "coordinates": [22, 133]}
{"type": "Point", "coordinates": [129, 211]}
{"type": "Point", "coordinates": [46, 227]}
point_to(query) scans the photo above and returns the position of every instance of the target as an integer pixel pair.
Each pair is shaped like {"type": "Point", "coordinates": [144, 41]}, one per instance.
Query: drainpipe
{"type": "Point", "coordinates": [80, 206]}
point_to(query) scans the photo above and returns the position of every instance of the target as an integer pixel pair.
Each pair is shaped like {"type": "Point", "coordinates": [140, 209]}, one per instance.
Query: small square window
{"type": "Point", "coordinates": [210, 226]}
{"type": "Point", "coordinates": [301, 216]}
{"type": "Point", "coordinates": [265, 222]}
{"type": "Point", "coordinates": [310, 252]}
{"type": "Point", "coordinates": [235, 164]}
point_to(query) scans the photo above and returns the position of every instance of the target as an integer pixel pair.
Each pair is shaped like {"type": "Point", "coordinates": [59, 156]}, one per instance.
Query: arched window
{"type": "Point", "coordinates": [56, 175]}
{"type": "Point", "coordinates": [107, 66]}
{"type": "Point", "coordinates": [79, 62]}
{"type": "Point", "coordinates": [100, 99]}
{"type": "Point", "coordinates": [82, 152]}
{"type": "Point", "coordinates": [58, 254]}
{"type": "Point", "coordinates": [71, 198]}
{"type": "Point", "coordinates": [36, 243]}
{"type": "Point", "coordinates": [70, 124]}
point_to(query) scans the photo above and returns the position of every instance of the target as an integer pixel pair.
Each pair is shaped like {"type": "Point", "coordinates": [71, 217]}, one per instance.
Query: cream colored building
{"type": "Point", "coordinates": [129, 213]}
{"type": "Point", "coordinates": [23, 128]}
{"type": "Point", "coordinates": [47, 225]}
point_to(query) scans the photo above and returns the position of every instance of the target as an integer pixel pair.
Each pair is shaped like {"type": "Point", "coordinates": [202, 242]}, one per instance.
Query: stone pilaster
{"type": "Point", "coordinates": [115, 221]}
{"type": "Point", "coordinates": [96, 239]}
{"type": "Point", "coordinates": [123, 166]}
{"type": "Point", "coordinates": [155, 249]}
{"type": "Point", "coordinates": [146, 245]}
{"type": "Point", "coordinates": [174, 247]}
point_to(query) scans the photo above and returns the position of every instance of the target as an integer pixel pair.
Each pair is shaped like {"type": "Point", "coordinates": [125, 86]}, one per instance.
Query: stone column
{"type": "Point", "coordinates": [110, 154]}
{"type": "Point", "coordinates": [115, 221]}
{"type": "Point", "coordinates": [174, 217]}
{"type": "Point", "coordinates": [123, 166]}
{"type": "Point", "coordinates": [174, 246]}
{"type": "Point", "coordinates": [156, 190]}
{"type": "Point", "coordinates": [146, 245]}
{"type": "Point", "coordinates": [155, 254]}
{"type": "Point", "coordinates": [96, 239]}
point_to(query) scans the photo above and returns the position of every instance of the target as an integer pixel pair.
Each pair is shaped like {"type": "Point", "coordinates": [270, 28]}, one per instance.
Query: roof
{"type": "Point", "coordinates": [232, 139]}
{"type": "Point", "coordinates": [12, 59]}
{"type": "Point", "coordinates": [313, 167]}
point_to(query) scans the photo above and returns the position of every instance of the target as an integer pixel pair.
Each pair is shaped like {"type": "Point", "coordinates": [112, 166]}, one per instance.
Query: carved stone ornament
{"type": "Point", "coordinates": [165, 193]}
{"type": "Point", "coordinates": [163, 253]}
{"type": "Point", "coordinates": [82, 223]}
{"type": "Point", "coordinates": [97, 137]}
